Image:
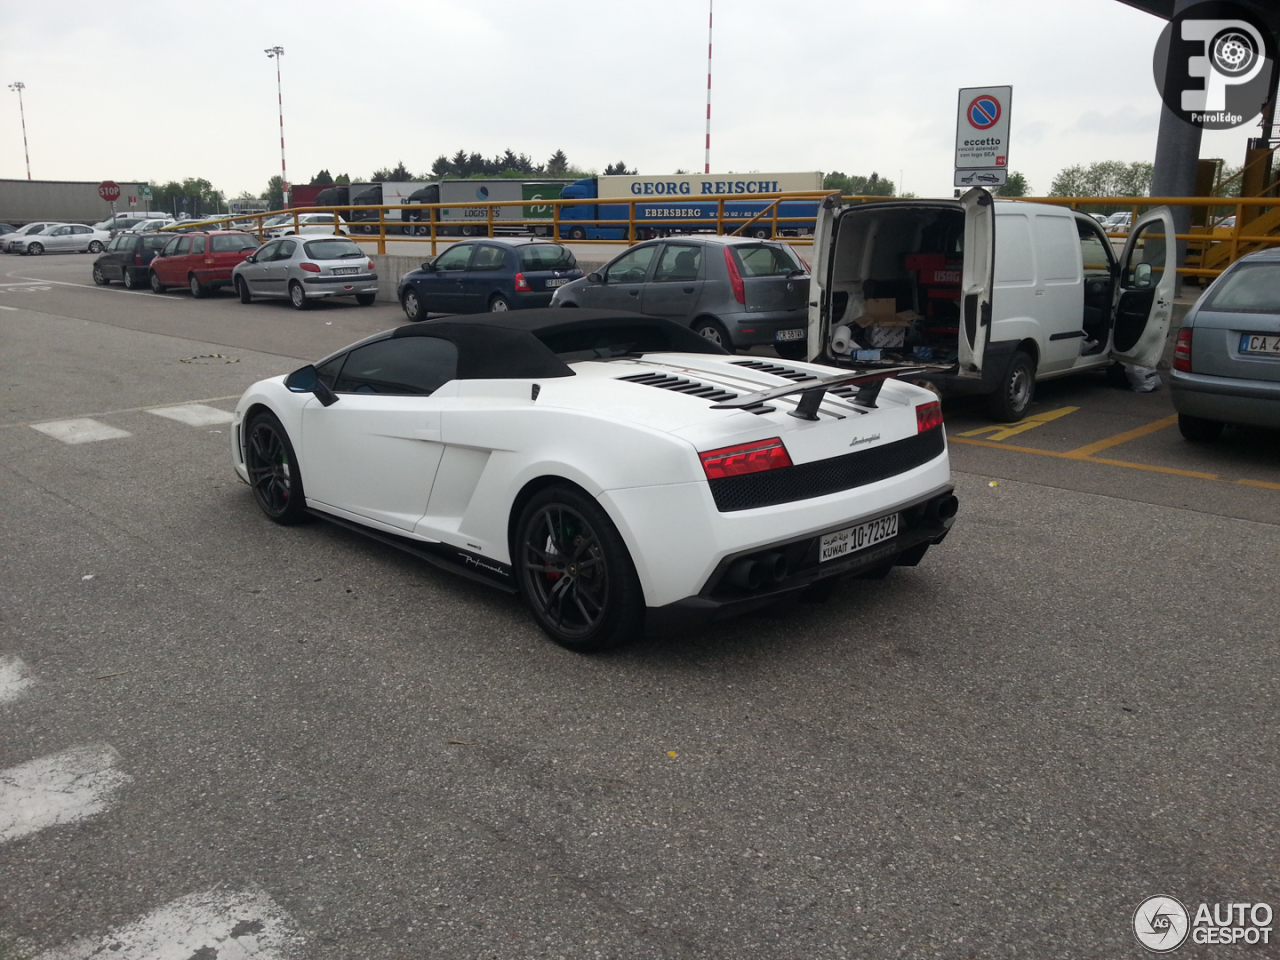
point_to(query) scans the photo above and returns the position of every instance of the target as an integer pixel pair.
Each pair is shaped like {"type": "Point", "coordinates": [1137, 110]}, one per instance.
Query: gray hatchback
{"type": "Point", "coordinates": [302, 270]}
{"type": "Point", "coordinates": [1226, 361]}
{"type": "Point", "coordinates": [735, 291]}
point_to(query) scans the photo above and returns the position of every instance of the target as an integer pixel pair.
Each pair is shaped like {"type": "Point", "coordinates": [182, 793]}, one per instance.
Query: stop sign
{"type": "Point", "coordinates": [109, 190]}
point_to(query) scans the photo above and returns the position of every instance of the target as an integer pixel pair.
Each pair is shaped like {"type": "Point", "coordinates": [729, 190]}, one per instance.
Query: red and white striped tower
{"type": "Point", "coordinates": [707, 164]}
{"type": "Point", "coordinates": [19, 86]}
{"type": "Point", "coordinates": [275, 53]}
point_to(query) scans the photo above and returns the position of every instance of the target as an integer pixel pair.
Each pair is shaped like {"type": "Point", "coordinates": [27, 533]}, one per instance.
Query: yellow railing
{"type": "Point", "coordinates": [1223, 244]}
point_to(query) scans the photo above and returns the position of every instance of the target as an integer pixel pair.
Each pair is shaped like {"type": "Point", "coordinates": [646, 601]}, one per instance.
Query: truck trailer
{"type": "Point", "coordinates": [64, 201]}
{"type": "Point", "coordinates": [464, 217]}
{"type": "Point", "coordinates": [670, 200]}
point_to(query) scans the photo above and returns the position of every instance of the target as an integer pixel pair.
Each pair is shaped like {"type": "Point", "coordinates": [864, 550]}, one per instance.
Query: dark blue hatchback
{"type": "Point", "coordinates": [495, 274]}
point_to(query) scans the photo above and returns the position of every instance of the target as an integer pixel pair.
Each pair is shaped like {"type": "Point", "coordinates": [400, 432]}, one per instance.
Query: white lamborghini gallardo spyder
{"type": "Point", "coordinates": [616, 470]}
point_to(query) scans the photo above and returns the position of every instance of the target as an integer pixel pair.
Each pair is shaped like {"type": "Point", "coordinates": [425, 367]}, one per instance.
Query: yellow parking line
{"type": "Point", "coordinates": [1090, 449]}
{"type": "Point", "coordinates": [1071, 456]}
{"type": "Point", "coordinates": [999, 432]}
{"type": "Point", "coordinates": [1260, 483]}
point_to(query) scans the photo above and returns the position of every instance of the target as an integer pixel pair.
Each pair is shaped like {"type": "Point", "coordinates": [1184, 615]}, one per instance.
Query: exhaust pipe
{"type": "Point", "coordinates": [747, 574]}
{"type": "Point", "coordinates": [944, 508]}
{"type": "Point", "coordinates": [775, 566]}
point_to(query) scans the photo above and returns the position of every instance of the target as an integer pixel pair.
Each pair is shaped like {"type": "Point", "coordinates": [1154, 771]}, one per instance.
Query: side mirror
{"type": "Point", "coordinates": [1142, 275]}
{"type": "Point", "coordinates": [307, 380]}
{"type": "Point", "coordinates": [428, 266]}
{"type": "Point", "coordinates": [251, 258]}
{"type": "Point", "coordinates": [594, 278]}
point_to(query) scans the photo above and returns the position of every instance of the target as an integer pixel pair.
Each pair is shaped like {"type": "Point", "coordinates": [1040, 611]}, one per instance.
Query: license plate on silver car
{"type": "Point", "coordinates": [797, 334]}
{"type": "Point", "coordinates": [852, 539]}
{"type": "Point", "coordinates": [1260, 343]}
{"type": "Point", "coordinates": [558, 283]}
{"type": "Point", "coordinates": [345, 271]}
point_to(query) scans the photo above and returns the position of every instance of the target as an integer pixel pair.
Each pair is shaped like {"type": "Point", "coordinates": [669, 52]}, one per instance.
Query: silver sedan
{"type": "Point", "coordinates": [303, 269]}
{"type": "Point", "coordinates": [62, 238]}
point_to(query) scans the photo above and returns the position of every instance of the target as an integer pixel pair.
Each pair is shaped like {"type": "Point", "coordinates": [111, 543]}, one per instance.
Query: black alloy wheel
{"type": "Point", "coordinates": [412, 305]}
{"type": "Point", "coordinates": [273, 470]}
{"type": "Point", "coordinates": [298, 296]}
{"type": "Point", "coordinates": [99, 277]}
{"type": "Point", "coordinates": [95, 246]}
{"type": "Point", "coordinates": [156, 285]}
{"type": "Point", "coordinates": [242, 290]}
{"type": "Point", "coordinates": [574, 571]}
{"type": "Point", "coordinates": [126, 277]}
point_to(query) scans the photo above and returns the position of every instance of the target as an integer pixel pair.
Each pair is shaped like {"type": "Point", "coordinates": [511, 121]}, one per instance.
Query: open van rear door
{"type": "Point", "coordinates": [1148, 276]}
{"type": "Point", "coordinates": [824, 238]}
{"type": "Point", "coordinates": [976, 280]}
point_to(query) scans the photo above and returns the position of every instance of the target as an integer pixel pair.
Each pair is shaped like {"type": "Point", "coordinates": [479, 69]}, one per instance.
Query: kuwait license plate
{"type": "Point", "coordinates": [797, 334]}
{"type": "Point", "coordinates": [557, 283]}
{"type": "Point", "coordinates": [852, 539]}
{"type": "Point", "coordinates": [345, 271]}
{"type": "Point", "coordinates": [1260, 343]}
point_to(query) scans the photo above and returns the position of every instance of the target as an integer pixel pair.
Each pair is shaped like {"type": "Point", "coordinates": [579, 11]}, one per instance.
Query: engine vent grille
{"type": "Point", "coordinates": [799, 376]}
{"type": "Point", "coordinates": [693, 388]}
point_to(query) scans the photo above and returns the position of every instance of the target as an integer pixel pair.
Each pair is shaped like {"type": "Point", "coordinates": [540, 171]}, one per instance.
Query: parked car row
{"type": "Point", "coordinates": [301, 270]}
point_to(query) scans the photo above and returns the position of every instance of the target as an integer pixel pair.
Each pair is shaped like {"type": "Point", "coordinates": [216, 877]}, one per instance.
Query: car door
{"type": "Point", "coordinates": [373, 454]}
{"type": "Point", "coordinates": [676, 283]}
{"type": "Point", "coordinates": [824, 238]}
{"type": "Point", "coordinates": [80, 237]}
{"type": "Point", "coordinates": [1148, 275]}
{"type": "Point", "coordinates": [440, 289]}
{"type": "Point", "coordinates": [112, 260]}
{"type": "Point", "coordinates": [483, 277]}
{"type": "Point", "coordinates": [255, 273]}
{"type": "Point", "coordinates": [173, 268]}
{"type": "Point", "coordinates": [977, 278]}
{"type": "Point", "coordinates": [622, 280]}
{"type": "Point", "coordinates": [275, 281]}
{"type": "Point", "coordinates": [159, 261]}
{"type": "Point", "coordinates": [60, 239]}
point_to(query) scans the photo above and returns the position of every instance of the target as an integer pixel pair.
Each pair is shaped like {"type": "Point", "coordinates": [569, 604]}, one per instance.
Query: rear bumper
{"type": "Point", "coordinates": [319, 287]}
{"type": "Point", "coordinates": [923, 522]}
{"type": "Point", "coordinates": [1227, 399]}
{"type": "Point", "coordinates": [750, 329]}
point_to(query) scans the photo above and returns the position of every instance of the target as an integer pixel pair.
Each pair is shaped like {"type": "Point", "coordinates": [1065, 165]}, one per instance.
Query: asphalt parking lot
{"type": "Point", "coordinates": [1069, 706]}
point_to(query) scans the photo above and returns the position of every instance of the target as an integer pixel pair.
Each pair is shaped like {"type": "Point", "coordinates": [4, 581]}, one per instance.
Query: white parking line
{"type": "Point", "coordinates": [3, 307]}
{"type": "Point", "coordinates": [108, 413]}
{"type": "Point", "coordinates": [14, 678]}
{"type": "Point", "coordinates": [228, 925]}
{"type": "Point", "coordinates": [62, 788]}
{"type": "Point", "coordinates": [194, 414]}
{"type": "Point", "coordinates": [94, 286]}
{"type": "Point", "coordinates": [81, 430]}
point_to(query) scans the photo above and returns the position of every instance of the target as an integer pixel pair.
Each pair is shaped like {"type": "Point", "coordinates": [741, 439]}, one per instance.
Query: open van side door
{"type": "Point", "coordinates": [824, 238]}
{"type": "Point", "coordinates": [976, 280]}
{"type": "Point", "coordinates": [1144, 304]}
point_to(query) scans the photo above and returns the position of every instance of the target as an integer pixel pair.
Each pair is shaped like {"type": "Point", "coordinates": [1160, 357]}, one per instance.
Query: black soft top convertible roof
{"type": "Point", "coordinates": [530, 343]}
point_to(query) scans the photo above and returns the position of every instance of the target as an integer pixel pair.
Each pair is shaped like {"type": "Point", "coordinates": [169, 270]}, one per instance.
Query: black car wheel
{"type": "Point", "coordinates": [499, 304]}
{"type": "Point", "coordinates": [156, 285]}
{"type": "Point", "coordinates": [99, 277]}
{"type": "Point", "coordinates": [1013, 397]}
{"type": "Point", "coordinates": [298, 296]}
{"type": "Point", "coordinates": [35, 249]}
{"type": "Point", "coordinates": [95, 246]}
{"type": "Point", "coordinates": [126, 277]}
{"type": "Point", "coordinates": [242, 290]}
{"type": "Point", "coordinates": [713, 330]}
{"type": "Point", "coordinates": [791, 349]}
{"type": "Point", "coordinates": [1199, 430]}
{"type": "Point", "coordinates": [575, 573]}
{"type": "Point", "coordinates": [366, 299]}
{"type": "Point", "coordinates": [577, 233]}
{"type": "Point", "coordinates": [198, 289]}
{"type": "Point", "coordinates": [412, 305]}
{"type": "Point", "coordinates": [273, 470]}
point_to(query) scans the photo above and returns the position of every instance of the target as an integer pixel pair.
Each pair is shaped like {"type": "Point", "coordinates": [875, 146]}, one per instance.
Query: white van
{"type": "Point", "coordinates": [990, 296]}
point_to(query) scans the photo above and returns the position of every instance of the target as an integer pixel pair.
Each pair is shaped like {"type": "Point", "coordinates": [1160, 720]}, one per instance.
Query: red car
{"type": "Point", "coordinates": [201, 261]}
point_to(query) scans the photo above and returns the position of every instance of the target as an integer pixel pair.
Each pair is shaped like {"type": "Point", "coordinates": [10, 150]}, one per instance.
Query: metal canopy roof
{"type": "Point", "coordinates": [1267, 10]}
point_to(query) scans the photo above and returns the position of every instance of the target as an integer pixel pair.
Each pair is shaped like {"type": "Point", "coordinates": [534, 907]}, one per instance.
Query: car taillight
{"type": "Point", "coordinates": [735, 278]}
{"type": "Point", "coordinates": [137, 259]}
{"type": "Point", "coordinates": [1182, 351]}
{"type": "Point", "coordinates": [928, 416]}
{"type": "Point", "coordinates": [371, 266]}
{"type": "Point", "coordinates": [310, 267]}
{"type": "Point", "coordinates": [744, 458]}
{"type": "Point", "coordinates": [522, 285]}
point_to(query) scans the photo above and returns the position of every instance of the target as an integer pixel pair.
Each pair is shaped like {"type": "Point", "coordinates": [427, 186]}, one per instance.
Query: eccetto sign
{"type": "Point", "coordinates": [982, 135]}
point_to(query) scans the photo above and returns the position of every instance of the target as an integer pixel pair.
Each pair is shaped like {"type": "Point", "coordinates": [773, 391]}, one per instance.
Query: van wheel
{"type": "Point", "coordinates": [1013, 397]}
{"type": "Point", "coordinates": [1199, 430]}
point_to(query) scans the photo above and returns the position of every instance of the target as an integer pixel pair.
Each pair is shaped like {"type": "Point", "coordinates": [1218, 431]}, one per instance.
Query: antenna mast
{"type": "Point", "coordinates": [707, 163]}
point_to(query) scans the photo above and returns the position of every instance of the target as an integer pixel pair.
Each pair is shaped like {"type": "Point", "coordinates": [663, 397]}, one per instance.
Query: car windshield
{"type": "Point", "coordinates": [767, 260]}
{"type": "Point", "coordinates": [32, 229]}
{"type": "Point", "coordinates": [1249, 288]}
{"type": "Point", "coordinates": [277, 220]}
{"type": "Point", "coordinates": [546, 256]}
{"type": "Point", "coordinates": [335, 249]}
{"type": "Point", "coordinates": [155, 241]}
{"type": "Point", "coordinates": [231, 242]}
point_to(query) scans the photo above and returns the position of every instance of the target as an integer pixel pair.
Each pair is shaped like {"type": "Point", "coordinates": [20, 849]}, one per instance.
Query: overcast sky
{"type": "Point", "coordinates": [161, 90]}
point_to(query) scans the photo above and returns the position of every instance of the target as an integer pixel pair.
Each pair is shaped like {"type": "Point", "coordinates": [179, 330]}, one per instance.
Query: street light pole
{"type": "Point", "coordinates": [19, 86]}
{"type": "Point", "coordinates": [275, 53]}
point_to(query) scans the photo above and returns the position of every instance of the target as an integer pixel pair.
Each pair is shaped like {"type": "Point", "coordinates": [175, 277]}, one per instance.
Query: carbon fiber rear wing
{"type": "Point", "coordinates": [811, 392]}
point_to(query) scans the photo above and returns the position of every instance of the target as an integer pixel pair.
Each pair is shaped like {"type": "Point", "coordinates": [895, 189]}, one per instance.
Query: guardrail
{"type": "Point", "coordinates": [426, 226]}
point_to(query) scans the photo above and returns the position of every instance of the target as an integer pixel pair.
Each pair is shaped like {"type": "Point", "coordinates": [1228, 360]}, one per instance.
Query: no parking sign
{"type": "Point", "coordinates": [982, 136]}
